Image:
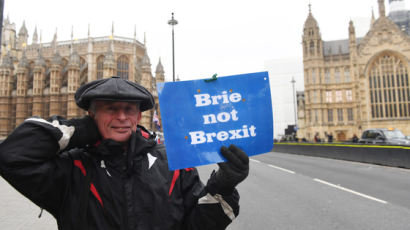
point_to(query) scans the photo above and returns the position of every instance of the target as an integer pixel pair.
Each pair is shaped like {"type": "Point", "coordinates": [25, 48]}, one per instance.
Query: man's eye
{"type": "Point", "coordinates": [130, 109]}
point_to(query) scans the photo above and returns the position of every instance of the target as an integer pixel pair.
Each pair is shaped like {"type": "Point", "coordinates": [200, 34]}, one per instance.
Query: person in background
{"type": "Point", "coordinates": [104, 171]}
{"type": "Point", "coordinates": [330, 137]}
{"type": "Point", "coordinates": [355, 139]}
{"type": "Point", "coordinates": [317, 138]}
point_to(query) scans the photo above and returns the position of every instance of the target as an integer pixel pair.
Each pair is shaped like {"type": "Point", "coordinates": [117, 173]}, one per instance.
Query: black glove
{"type": "Point", "coordinates": [230, 173]}
{"type": "Point", "coordinates": [85, 133]}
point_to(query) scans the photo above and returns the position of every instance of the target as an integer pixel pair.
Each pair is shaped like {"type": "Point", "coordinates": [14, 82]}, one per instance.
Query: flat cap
{"type": "Point", "coordinates": [113, 89]}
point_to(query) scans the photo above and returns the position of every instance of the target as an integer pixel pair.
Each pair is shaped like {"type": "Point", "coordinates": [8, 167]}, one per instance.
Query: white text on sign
{"type": "Point", "coordinates": [200, 137]}
{"type": "Point", "coordinates": [206, 99]}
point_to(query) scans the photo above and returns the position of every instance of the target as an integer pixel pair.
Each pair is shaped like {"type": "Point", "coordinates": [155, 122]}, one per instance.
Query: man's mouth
{"type": "Point", "coordinates": [122, 128]}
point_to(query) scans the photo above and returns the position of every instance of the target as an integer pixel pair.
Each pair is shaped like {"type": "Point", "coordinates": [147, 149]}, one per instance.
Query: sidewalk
{"type": "Point", "coordinates": [17, 212]}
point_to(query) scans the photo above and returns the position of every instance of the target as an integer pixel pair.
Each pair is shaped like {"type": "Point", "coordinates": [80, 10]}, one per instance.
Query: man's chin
{"type": "Point", "coordinates": [121, 137]}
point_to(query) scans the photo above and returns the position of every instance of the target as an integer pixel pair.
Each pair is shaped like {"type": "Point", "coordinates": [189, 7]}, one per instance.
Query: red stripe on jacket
{"type": "Point", "coordinates": [93, 190]}
{"type": "Point", "coordinates": [174, 179]}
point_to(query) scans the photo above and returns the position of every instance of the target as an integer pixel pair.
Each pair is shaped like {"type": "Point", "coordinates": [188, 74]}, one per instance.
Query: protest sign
{"type": "Point", "coordinates": [200, 116]}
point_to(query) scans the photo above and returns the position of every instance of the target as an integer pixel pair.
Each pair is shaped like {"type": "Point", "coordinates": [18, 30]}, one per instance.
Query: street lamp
{"type": "Point", "coordinates": [173, 22]}
{"type": "Point", "coordinates": [294, 100]}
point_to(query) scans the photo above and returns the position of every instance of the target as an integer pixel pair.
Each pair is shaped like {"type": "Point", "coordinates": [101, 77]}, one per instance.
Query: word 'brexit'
{"type": "Point", "coordinates": [199, 137]}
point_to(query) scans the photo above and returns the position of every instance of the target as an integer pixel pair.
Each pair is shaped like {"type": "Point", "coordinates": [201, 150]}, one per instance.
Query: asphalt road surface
{"type": "Point", "coordinates": [284, 191]}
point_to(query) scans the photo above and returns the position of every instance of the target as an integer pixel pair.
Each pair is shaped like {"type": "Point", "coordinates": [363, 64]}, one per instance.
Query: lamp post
{"type": "Point", "coordinates": [293, 95]}
{"type": "Point", "coordinates": [173, 22]}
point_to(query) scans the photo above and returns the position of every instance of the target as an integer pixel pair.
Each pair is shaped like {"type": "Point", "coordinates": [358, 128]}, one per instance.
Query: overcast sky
{"type": "Point", "coordinates": [214, 36]}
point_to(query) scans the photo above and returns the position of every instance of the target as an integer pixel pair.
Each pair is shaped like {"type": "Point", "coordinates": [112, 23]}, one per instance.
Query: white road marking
{"type": "Point", "coordinates": [351, 191]}
{"type": "Point", "coordinates": [285, 170]}
{"type": "Point", "coordinates": [255, 160]}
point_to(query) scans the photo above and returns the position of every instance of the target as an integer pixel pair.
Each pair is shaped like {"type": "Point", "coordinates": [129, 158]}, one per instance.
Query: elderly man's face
{"type": "Point", "coordinates": [115, 119]}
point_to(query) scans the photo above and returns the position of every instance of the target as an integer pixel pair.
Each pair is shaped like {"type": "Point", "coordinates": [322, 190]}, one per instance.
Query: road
{"type": "Point", "coordinates": [285, 191]}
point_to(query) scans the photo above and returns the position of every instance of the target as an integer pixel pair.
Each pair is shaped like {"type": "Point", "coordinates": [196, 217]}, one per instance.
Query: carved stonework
{"type": "Point", "coordinates": [41, 78]}
{"type": "Point", "coordinates": [358, 75]}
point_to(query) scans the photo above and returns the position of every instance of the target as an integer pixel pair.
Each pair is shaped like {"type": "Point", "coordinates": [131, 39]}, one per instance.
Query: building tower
{"type": "Point", "coordinates": [39, 73]}
{"type": "Point", "coordinates": [312, 41]}
{"type": "Point", "coordinates": [109, 63]}
{"type": "Point", "coordinates": [146, 81]}
{"type": "Point", "coordinates": [73, 81]}
{"type": "Point", "coordinates": [55, 83]}
{"type": "Point", "coordinates": [313, 63]}
{"type": "Point", "coordinates": [35, 37]}
{"type": "Point", "coordinates": [8, 37]}
{"type": "Point", "coordinates": [22, 37]}
{"type": "Point", "coordinates": [382, 9]}
{"type": "Point", "coordinates": [46, 75]}
{"type": "Point", "coordinates": [22, 87]}
{"type": "Point", "coordinates": [6, 84]}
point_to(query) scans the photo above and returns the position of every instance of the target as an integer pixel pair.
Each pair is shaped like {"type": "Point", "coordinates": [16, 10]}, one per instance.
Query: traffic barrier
{"type": "Point", "coordinates": [395, 156]}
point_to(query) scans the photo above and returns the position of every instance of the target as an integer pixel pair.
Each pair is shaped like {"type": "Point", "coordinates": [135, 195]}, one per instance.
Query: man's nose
{"type": "Point", "coordinates": [121, 114]}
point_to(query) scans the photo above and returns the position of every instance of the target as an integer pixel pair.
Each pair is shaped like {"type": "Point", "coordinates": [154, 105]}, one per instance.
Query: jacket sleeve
{"type": "Point", "coordinates": [30, 162]}
{"type": "Point", "coordinates": [206, 211]}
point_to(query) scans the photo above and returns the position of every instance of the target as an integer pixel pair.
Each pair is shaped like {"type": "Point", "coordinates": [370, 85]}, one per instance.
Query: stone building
{"type": "Point", "coordinates": [357, 83]}
{"type": "Point", "coordinates": [40, 79]}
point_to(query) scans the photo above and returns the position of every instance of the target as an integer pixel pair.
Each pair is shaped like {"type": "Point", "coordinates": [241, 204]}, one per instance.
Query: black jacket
{"type": "Point", "coordinates": [105, 187]}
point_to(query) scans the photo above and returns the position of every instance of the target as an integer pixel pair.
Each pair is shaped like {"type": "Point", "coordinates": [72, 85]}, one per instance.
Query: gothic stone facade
{"type": "Point", "coordinates": [355, 84]}
{"type": "Point", "coordinates": [40, 79]}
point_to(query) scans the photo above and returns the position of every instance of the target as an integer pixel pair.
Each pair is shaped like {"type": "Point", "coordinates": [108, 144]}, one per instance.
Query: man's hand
{"type": "Point", "coordinates": [86, 132]}
{"type": "Point", "coordinates": [230, 173]}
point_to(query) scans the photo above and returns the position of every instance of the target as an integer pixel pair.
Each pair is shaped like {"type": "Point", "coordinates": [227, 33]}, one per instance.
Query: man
{"type": "Point", "coordinates": [104, 171]}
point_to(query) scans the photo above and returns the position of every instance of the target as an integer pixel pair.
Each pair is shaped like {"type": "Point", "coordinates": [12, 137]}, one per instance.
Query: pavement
{"type": "Point", "coordinates": [17, 212]}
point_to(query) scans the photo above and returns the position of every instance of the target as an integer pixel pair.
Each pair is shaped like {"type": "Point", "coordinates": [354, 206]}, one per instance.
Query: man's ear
{"type": "Point", "coordinates": [139, 116]}
{"type": "Point", "coordinates": [91, 114]}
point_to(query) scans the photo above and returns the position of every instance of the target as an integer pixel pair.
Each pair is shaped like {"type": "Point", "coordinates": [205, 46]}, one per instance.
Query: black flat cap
{"type": "Point", "coordinates": [113, 89]}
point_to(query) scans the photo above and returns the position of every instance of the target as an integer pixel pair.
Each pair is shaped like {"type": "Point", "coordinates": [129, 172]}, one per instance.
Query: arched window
{"type": "Point", "coordinates": [83, 71]}
{"type": "Point", "coordinates": [389, 88]}
{"type": "Point", "coordinates": [64, 73]}
{"type": "Point", "coordinates": [312, 48]}
{"type": "Point", "coordinates": [122, 67]}
{"type": "Point", "coordinates": [305, 48]}
{"type": "Point", "coordinates": [100, 67]}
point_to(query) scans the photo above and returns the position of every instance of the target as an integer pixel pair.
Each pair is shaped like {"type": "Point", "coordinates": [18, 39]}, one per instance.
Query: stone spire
{"type": "Point", "coordinates": [7, 62]}
{"type": "Point", "coordinates": [311, 38]}
{"type": "Point", "coordinates": [382, 9]}
{"type": "Point", "coordinates": [74, 60]}
{"type": "Point", "coordinates": [373, 19]}
{"type": "Point", "coordinates": [135, 32]}
{"type": "Point", "coordinates": [109, 61]}
{"type": "Point", "coordinates": [145, 39]}
{"type": "Point", "coordinates": [145, 59]}
{"type": "Point", "coordinates": [23, 62]}
{"type": "Point", "coordinates": [160, 68]}
{"type": "Point", "coordinates": [7, 20]}
{"type": "Point", "coordinates": [159, 73]}
{"type": "Point", "coordinates": [22, 36]}
{"type": "Point", "coordinates": [54, 42]}
{"type": "Point", "coordinates": [72, 40]}
{"type": "Point", "coordinates": [352, 33]}
{"type": "Point", "coordinates": [40, 60]}
{"type": "Point", "coordinates": [57, 60]}
{"type": "Point", "coordinates": [35, 36]}
{"type": "Point", "coordinates": [23, 30]}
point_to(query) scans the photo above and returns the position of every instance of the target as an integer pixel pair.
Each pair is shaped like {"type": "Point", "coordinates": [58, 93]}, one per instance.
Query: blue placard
{"type": "Point", "coordinates": [199, 117]}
